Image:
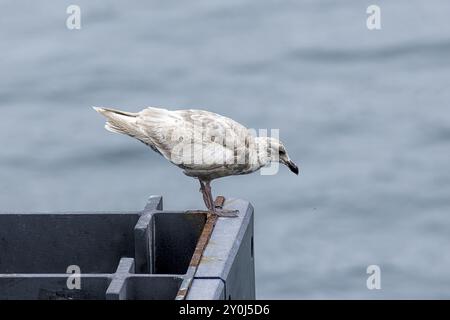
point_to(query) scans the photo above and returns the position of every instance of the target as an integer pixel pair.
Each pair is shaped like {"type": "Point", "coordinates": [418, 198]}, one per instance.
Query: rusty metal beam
{"type": "Point", "coordinates": [199, 249]}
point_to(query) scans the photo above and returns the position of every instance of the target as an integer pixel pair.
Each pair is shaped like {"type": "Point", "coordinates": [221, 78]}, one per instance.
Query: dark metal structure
{"type": "Point", "coordinates": [148, 254]}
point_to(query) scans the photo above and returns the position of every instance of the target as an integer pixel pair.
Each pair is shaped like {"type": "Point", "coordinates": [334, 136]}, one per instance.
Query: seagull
{"type": "Point", "coordinates": [205, 145]}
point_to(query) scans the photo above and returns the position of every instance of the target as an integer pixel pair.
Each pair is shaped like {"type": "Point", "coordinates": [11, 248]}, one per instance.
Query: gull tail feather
{"type": "Point", "coordinates": [119, 121]}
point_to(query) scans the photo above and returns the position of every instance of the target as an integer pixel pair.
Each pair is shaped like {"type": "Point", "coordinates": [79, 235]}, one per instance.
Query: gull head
{"type": "Point", "coordinates": [276, 152]}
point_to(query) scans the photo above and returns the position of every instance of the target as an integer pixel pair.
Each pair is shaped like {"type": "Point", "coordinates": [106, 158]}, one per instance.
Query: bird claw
{"type": "Point", "coordinates": [225, 213]}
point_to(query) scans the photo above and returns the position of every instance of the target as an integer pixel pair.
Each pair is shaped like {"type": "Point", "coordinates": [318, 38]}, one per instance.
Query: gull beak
{"type": "Point", "coordinates": [292, 166]}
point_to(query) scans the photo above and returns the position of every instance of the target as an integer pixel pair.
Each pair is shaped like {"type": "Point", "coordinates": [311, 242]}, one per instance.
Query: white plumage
{"type": "Point", "coordinates": [205, 145]}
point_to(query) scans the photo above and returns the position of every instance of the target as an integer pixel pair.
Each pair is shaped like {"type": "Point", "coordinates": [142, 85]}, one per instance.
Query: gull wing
{"type": "Point", "coordinates": [195, 139]}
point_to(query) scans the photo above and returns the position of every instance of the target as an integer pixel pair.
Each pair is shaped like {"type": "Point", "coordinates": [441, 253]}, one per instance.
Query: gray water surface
{"type": "Point", "coordinates": [364, 113]}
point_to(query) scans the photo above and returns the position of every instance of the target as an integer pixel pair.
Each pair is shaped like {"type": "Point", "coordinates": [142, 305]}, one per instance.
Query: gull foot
{"type": "Point", "coordinates": [226, 213]}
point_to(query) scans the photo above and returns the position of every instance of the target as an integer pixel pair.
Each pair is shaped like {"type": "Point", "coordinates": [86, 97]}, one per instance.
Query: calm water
{"type": "Point", "coordinates": [365, 114]}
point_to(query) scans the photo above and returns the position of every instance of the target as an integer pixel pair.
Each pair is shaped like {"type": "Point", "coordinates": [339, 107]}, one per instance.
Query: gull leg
{"type": "Point", "coordinates": [207, 198]}
{"type": "Point", "coordinates": [218, 211]}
